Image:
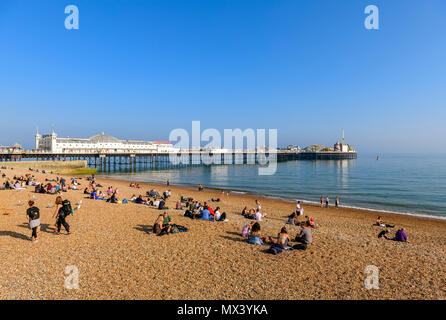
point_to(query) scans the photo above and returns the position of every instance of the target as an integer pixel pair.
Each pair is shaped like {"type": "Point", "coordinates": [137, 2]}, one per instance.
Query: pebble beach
{"type": "Point", "coordinates": [118, 257]}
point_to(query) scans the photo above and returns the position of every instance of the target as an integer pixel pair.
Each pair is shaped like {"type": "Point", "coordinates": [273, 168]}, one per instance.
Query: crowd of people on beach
{"type": "Point", "coordinates": [326, 201]}
{"type": "Point", "coordinates": [193, 209]}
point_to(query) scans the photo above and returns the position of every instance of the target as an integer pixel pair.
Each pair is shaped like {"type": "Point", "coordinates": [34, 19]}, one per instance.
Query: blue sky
{"type": "Point", "coordinates": [140, 68]}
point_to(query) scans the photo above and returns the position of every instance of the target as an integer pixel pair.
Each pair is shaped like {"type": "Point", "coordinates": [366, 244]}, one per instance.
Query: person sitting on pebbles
{"type": "Point", "coordinates": [310, 222]}
{"type": "Point", "coordinates": [383, 234]}
{"type": "Point", "coordinates": [284, 239]}
{"type": "Point", "coordinates": [255, 237]}
{"type": "Point", "coordinates": [304, 237]}
{"type": "Point", "coordinates": [158, 225]}
{"type": "Point", "coordinates": [167, 222]}
{"type": "Point", "coordinates": [401, 235]}
{"type": "Point", "coordinates": [246, 230]}
{"type": "Point", "coordinates": [293, 219]}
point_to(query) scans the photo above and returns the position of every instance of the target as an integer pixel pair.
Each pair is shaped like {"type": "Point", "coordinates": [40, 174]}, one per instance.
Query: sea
{"type": "Point", "coordinates": [411, 184]}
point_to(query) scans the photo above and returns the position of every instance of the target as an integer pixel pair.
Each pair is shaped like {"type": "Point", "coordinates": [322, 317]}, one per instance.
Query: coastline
{"type": "Point", "coordinates": [118, 257]}
{"type": "Point", "coordinates": [305, 202]}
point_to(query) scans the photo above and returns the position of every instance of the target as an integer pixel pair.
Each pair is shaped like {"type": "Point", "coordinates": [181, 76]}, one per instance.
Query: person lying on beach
{"type": "Point", "coordinates": [304, 237]}
{"type": "Point", "coordinates": [380, 223]}
{"type": "Point", "coordinates": [401, 235]}
{"type": "Point", "coordinates": [184, 200]}
{"type": "Point", "coordinates": [383, 234]}
{"type": "Point", "coordinates": [139, 200]}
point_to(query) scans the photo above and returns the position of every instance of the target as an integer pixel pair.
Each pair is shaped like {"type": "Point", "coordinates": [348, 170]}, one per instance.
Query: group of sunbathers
{"type": "Point", "coordinates": [400, 235]}
{"type": "Point", "coordinates": [196, 210]}
{"type": "Point", "coordinates": [284, 242]}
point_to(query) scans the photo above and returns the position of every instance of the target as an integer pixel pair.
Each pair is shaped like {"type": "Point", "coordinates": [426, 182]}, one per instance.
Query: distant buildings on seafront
{"type": "Point", "coordinates": [102, 143]}
{"type": "Point", "coordinates": [12, 149]}
{"type": "Point", "coordinates": [337, 147]}
{"type": "Point", "coordinates": [99, 143]}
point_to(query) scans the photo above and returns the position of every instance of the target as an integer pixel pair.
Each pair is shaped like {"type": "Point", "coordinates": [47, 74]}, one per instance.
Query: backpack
{"type": "Point", "coordinates": [66, 208]}
{"type": "Point", "coordinates": [181, 228]}
{"type": "Point", "coordinates": [34, 213]}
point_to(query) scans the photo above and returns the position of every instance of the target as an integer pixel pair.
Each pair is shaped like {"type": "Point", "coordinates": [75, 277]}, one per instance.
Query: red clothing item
{"type": "Point", "coordinates": [211, 211]}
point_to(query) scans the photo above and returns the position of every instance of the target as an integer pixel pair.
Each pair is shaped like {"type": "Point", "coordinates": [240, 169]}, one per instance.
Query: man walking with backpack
{"type": "Point", "coordinates": [63, 210]}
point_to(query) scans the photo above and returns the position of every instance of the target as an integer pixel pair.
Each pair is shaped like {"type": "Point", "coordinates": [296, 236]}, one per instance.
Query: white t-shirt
{"type": "Point", "coordinates": [258, 216]}
{"type": "Point", "coordinates": [217, 215]}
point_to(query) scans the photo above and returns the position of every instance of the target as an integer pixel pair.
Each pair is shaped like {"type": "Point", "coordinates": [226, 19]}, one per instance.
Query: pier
{"type": "Point", "coordinates": [107, 161]}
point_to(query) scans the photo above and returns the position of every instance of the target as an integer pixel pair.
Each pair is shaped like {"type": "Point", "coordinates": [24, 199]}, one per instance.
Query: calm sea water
{"type": "Point", "coordinates": [403, 183]}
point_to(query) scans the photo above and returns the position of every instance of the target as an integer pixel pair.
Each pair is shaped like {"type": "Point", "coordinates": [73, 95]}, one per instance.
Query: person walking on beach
{"type": "Point", "coordinates": [327, 201]}
{"type": "Point", "coordinates": [61, 213]}
{"type": "Point", "coordinates": [33, 214]}
{"type": "Point", "coordinates": [322, 201]}
{"type": "Point", "coordinates": [337, 202]}
{"type": "Point", "coordinates": [258, 206]}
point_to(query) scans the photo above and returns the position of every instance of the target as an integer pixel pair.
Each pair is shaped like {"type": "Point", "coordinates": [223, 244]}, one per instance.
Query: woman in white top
{"type": "Point", "coordinates": [258, 216]}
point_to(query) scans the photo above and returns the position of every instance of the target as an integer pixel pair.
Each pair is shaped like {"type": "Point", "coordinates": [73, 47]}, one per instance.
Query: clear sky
{"type": "Point", "coordinates": [140, 68]}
